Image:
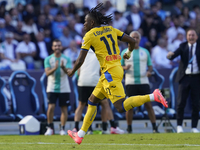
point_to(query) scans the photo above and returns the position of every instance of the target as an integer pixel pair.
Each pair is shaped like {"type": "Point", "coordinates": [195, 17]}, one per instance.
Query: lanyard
{"type": "Point", "coordinates": [190, 61]}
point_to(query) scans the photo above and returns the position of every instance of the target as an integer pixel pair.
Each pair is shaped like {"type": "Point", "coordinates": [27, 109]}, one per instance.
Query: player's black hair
{"type": "Point", "coordinates": [98, 16]}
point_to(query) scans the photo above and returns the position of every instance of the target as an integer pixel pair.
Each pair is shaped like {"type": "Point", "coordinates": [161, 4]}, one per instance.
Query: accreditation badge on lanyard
{"type": "Point", "coordinates": [189, 67]}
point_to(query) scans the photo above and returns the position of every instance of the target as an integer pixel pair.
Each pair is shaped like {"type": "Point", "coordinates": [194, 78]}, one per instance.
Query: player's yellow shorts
{"type": "Point", "coordinates": [110, 85]}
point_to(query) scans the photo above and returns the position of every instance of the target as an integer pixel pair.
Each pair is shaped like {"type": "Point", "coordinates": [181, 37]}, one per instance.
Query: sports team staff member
{"type": "Point", "coordinates": [103, 41]}
{"type": "Point", "coordinates": [136, 78]}
{"type": "Point", "coordinates": [58, 87]}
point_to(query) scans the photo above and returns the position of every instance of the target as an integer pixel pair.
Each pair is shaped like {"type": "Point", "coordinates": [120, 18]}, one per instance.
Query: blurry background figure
{"type": "Point", "coordinates": [42, 23]}
{"type": "Point", "coordinates": [162, 13]}
{"type": "Point", "coordinates": [85, 12]}
{"type": "Point", "coordinates": [43, 50]}
{"type": "Point", "coordinates": [58, 25]}
{"type": "Point", "coordinates": [54, 8]}
{"type": "Point", "coordinates": [144, 39]}
{"type": "Point", "coordinates": [176, 10]}
{"type": "Point", "coordinates": [134, 18]}
{"type": "Point", "coordinates": [26, 51]}
{"type": "Point", "coordinates": [30, 28]}
{"type": "Point", "coordinates": [72, 52]}
{"type": "Point", "coordinates": [90, 3]}
{"type": "Point", "coordinates": [159, 53]}
{"type": "Point", "coordinates": [8, 24]}
{"type": "Point", "coordinates": [18, 33]}
{"type": "Point", "coordinates": [195, 11]}
{"type": "Point", "coordinates": [2, 30]}
{"type": "Point", "coordinates": [119, 21]}
{"type": "Point", "coordinates": [174, 30]}
{"type": "Point", "coordinates": [8, 53]}
{"type": "Point", "coordinates": [66, 38]}
{"type": "Point", "coordinates": [109, 8]}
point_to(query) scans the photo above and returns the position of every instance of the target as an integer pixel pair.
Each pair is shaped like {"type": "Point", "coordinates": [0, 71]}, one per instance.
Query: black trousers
{"type": "Point", "coordinates": [190, 84]}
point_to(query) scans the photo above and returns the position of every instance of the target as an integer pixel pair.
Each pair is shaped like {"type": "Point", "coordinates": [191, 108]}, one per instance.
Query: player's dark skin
{"type": "Point", "coordinates": [88, 25]}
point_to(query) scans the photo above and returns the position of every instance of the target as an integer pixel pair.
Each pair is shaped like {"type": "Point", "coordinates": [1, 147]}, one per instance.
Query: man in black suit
{"type": "Point", "coordinates": [43, 49]}
{"type": "Point", "coordinates": [188, 76]}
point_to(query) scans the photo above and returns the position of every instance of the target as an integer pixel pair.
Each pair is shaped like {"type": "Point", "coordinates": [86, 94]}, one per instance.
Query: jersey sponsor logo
{"type": "Point", "coordinates": [101, 32]}
{"type": "Point", "coordinates": [113, 57]}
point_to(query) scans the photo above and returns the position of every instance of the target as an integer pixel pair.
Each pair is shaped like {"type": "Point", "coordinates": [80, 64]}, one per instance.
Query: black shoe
{"type": "Point", "coordinates": [156, 131]}
{"type": "Point", "coordinates": [129, 131]}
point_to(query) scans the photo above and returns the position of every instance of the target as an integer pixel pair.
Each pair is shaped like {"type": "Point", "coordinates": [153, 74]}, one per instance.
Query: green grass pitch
{"type": "Point", "coordinates": [161, 141]}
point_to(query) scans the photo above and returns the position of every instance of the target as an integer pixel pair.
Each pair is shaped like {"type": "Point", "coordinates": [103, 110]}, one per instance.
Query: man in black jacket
{"type": "Point", "coordinates": [188, 76]}
{"type": "Point", "coordinates": [43, 49]}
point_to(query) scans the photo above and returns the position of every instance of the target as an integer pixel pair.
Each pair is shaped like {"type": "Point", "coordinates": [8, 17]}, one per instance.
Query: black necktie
{"type": "Point", "coordinates": [191, 58]}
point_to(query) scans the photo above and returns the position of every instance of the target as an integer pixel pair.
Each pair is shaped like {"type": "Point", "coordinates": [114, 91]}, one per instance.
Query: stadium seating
{"type": "Point", "coordinates": [4, 108]}
{"type": "Point", "coordinates": [174, 94]}
{"type": "Point", "coordinates": [57, 111]}
{"type": "Point", "coordinates": [24, 99]}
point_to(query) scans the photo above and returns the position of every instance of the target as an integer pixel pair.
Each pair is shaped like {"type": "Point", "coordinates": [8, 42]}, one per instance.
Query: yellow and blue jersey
{"type": "Point", "coordinates": [103, 41]}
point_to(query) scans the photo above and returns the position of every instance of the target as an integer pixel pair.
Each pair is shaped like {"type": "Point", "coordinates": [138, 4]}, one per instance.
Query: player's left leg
{"type": "Point", "coordinates": [107, 114]}
{"type": "Point", "coordinates": [97, 95]}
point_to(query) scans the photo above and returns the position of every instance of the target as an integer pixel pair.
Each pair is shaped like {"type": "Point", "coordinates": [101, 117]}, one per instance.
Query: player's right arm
{"type": "Point", "coordinates": [130, 41]}
{"type": "Point", "coordinates": [78, 63]}
{"type": "Point", "coordinates": [86, 44]}
{"type": "Point", "coordinates": [131, 45]}
{"type": "Point", "coordinates": [125, 38]}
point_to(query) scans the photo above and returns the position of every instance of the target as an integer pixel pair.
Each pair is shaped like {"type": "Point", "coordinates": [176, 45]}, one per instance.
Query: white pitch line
{"type": "Point", "coordinates": [104, 144]}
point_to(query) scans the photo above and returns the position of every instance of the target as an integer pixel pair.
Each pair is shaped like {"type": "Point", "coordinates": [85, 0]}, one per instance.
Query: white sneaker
{"type": "Point", "coordinates": [105, 132]}
{"type": "Point", "coordinates": [194, 130]}
{"type": "Point", "coordinates": [179, 129]}
{"type": "Point", "coordinates": [62, 132]}
{"type": "Point", "coordinates": [116, 130]}
{"type": "Point", "coordinates": [49, 131]}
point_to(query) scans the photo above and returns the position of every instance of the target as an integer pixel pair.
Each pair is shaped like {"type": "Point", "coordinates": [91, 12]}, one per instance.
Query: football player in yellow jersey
{"type": "Point", "coordinates": [103, 41]}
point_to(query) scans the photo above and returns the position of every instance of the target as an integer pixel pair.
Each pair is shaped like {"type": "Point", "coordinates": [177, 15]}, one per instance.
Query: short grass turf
{"type": "Point", "coordinates": [161, 141]}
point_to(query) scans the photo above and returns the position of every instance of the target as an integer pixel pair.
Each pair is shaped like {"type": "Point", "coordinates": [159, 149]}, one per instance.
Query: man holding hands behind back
{"type": "Point", "coordinates": [188, 76]}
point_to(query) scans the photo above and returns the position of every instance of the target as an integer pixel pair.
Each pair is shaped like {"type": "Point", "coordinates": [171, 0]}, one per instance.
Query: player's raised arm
{"type": "Point", "coordinates": [78, 63]}
{"type": "Point", "coordinates": [131, 45]}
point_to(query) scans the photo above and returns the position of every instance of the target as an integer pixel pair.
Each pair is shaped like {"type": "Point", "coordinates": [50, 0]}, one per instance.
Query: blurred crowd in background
{"type": "Point", "coordinates": [28, 28]}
